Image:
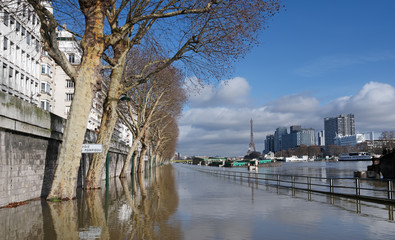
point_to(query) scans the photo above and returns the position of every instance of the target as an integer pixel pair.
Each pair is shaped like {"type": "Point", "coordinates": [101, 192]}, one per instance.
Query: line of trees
{"type": "Point", "coordinates": [139, 45]}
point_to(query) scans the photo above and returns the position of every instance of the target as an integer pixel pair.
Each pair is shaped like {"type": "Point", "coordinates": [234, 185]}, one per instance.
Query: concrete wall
{"type": "Point", "coordinates": [30, 140]}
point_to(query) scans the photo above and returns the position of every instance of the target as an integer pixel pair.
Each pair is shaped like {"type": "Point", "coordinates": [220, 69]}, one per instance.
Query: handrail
{"type": "Point", "coordinates": [346, 187]}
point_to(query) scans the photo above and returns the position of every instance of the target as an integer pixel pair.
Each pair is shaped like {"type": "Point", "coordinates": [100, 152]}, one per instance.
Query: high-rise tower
{"type": "Point", "coordinates": [252, 144]}
{"type": "Point", "coordinates": [343, 125]}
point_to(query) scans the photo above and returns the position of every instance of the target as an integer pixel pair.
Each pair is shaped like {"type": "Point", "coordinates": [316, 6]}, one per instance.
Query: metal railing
{"type": "Point", "coordinates": [376, 190]}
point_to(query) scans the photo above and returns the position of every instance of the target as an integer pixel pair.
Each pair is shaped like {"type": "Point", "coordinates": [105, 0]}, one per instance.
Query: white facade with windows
{"type": "Point", "coordinates": [19, 51]}
{"type": "Point", "coordinates": [349, 140]}
{"type": "Point", "coordinates": [27, 72]}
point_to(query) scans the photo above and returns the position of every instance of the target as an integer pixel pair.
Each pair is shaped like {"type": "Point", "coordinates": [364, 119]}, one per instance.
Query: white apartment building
{"type": "Point", "coordinates": [28, 72]}
{"type": "Point", "coordinates": [19, 51]}
{"type": "Point", "coordinates": [65, 90]}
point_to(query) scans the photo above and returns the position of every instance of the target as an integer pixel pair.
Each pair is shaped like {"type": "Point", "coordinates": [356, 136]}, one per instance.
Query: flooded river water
{"type": "Point", "coordinates": [178, 202]}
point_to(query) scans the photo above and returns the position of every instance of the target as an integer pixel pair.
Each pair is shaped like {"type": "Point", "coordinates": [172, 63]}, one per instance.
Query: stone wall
{"type": "Point", "coordinates": [30, 140]}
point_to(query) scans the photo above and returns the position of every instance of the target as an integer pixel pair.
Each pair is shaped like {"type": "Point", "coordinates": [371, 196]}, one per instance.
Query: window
{"type": "Point", "coordinates": [45, 105]}
{"type": "Point", "coordinates": [37, 46]}
{"type": "Point", "coordinates": [11, 73]}
{"type": "Point", "coordinates": [24, 10]}
{"type": "Point", "coordinates": [28, 38]}
{"type": "Point", "coordinates": [45, 69]}
{"type": "Point", "coordinates": [23, 31]}
{"type": "Point", "coordinates": [69, 97]}
{"type": "Point", "coordinates": [12, 20]}
{"type": "Point", "coordinates": [6, 18]}
{"type": "Point", "coordinates": [5, 44]}
{"type": "Point", "coordinates": [17, 26]}
{"type": "Point", "coordinates": [67, 110]}
{"type": "Point", "coordinates": [71, 58]}
{"type": "Point", "coordinates": [45, 88]}
{"type": "Point", "coordinates": [34, 19]}
{"type": "Point", "coordinates": [69, 83]}
{"type": "Point", "coordinates": [4, 73]}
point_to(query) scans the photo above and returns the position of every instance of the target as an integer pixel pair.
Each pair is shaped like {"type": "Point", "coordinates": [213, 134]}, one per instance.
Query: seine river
{"type": "Point", "coordinates": [178, 202]}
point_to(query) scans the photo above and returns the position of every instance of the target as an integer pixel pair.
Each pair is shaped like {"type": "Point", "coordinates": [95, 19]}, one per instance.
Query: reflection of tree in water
{"type": "Point", "coordinates": [138, 209]}
{"type": "Point", "coordinates": [153, 200]}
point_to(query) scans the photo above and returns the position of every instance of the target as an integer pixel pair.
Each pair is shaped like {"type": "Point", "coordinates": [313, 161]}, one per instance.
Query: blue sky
{"type": "Point", "coordinates": [317, 59]}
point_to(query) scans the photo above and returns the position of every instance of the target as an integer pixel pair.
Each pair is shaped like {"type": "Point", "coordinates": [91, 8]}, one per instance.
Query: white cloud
{"type": "Point", "coordinates": [212, 126]}
{"type": "Point", "coordinates": [373, 106]}
{"type": "Point", "coordinates": [232, 92]}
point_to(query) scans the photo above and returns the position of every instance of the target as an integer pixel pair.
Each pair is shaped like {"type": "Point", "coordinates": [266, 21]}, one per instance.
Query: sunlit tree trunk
{"type": "Point", "coordinates": [109, 120]}
{"type": "Point", "coordinates": [65, 178]}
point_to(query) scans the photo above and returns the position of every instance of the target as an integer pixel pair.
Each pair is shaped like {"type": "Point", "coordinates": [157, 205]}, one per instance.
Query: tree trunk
{"type": "Point", "coordinates": [109, 120]}
{"type": "Point", "coordinates": [128, 158]}
{"type": "Point", "coordinates": [140, 168]}
{"type": "Point", "coordinates": [65, 178]}
{"type": "Point", "coordinates": [134, 162]}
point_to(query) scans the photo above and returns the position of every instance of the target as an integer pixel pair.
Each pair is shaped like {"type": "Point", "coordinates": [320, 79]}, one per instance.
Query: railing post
{"type": "Point", "coordinates": [278, 180]}
{"type": "Point", "coordinates": [293, 181]}
{"type": "Point", "coordinates": [309, 183]}
{"type": "Point", "coordinates": [357, 186]}
{"type": "Point", "coordinates": [331, 185]}
{"type": "Point", "coordinates": [390, 189]}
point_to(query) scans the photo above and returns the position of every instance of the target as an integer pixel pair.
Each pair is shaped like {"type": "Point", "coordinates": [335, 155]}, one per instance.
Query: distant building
{"type": "Point", "coordinates": [278, 138]}
{"type": "Point", "coordinates": [297, 137]}
{"type": "Point", "coordinates": [269, 143]}
{"type": "Point", "coordinates": [321, 138]}
{"type": "Point", "coordinates": [342, 125]}
{"type": "Point", "coordinates": [349, 140]}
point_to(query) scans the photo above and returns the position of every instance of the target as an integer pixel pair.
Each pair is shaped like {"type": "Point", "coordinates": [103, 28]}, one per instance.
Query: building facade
{"type": "Point", "coordinates": [342, 125]}
{"type": "Point", "coordinates": [351, 140]}
{"type": "Point", "coordinates": [269, 143]}
{"type": "Point", "coordinates": [298, 136]}
{"type": "Point", "coordinates": [20, 51]}
{"type": "Point", "coordinates": [29, 73]}
{"type": "Point", "coordinates": [321, 138]}
{"type": "Point", "coordinates": [278, 138]}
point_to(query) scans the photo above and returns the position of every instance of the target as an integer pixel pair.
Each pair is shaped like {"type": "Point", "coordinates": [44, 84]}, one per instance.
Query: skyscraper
{"type": "Point", "coordinates": [269, 143]}
{"type": "Point", "coordinates": [278, 138]}
{"type": "Point", "coordinates": [342, 125]}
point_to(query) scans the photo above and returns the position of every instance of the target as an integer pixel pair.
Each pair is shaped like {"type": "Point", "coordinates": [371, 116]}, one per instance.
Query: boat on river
{"type": "Point", "coordinates": [355, 156]}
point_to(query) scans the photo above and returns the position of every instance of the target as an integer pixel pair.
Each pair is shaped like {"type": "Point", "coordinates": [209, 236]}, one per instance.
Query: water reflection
{"type": "Point", "coordinates": [229, 207]}
{"type": "Point", "coordinates": [138, 209]}
{"type": "Point", "coordinates": [175, 202]}
{"type": "Point", "coordinates": [371, 209]}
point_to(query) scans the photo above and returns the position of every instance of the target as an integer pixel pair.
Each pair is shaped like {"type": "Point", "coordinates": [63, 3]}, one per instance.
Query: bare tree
{"type": "Point", "coordinates": [200, 33]}
{"type": "Point", "coordinates": [149, 103]}
{"type": "Point", "coordinates": [389, 138]}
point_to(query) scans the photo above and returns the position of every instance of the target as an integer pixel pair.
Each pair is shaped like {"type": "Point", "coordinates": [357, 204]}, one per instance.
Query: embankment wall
{"type": "Point", "coordinates": [30, 140]}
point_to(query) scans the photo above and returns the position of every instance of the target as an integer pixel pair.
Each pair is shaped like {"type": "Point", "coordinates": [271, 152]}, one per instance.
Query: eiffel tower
{"type": "Point", "coordinates": [252, 144]}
